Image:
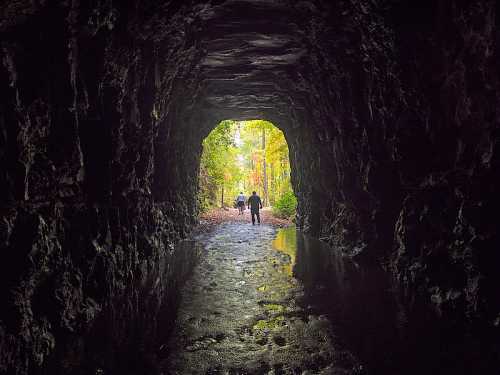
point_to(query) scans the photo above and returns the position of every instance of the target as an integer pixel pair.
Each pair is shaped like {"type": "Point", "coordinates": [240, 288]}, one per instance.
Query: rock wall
{"type": "Point", "coordinates": [445, 236]}
{"type": "Point", "coordinates": [89, 273]}
{"type": "Point", "coordinates": [388, 108]}
{"type": "Point", "coordinates": [407, 145]}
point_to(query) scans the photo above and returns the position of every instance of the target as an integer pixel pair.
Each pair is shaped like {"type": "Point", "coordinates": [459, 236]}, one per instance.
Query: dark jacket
{"type": "Point", "coordinates": [254, 202]}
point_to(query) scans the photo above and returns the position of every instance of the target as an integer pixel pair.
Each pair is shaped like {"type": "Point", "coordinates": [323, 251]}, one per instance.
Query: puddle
{"type": "Point", "coordinates": [273, 308]}
{"type": "Point", "coordinates": [286, 243]}
{"type": "Point", "coordinates": [388, 332]}
{"type": "Point", "coordinates": [269, 324]}
{"type": "Point", "coordinates": [293, 305]}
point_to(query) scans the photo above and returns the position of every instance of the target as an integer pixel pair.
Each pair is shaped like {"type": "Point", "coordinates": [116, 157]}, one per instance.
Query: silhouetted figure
{"type": "Point", "coordinates": [254, 203]}
{"type": "Point", "coordinates": [240, 203]}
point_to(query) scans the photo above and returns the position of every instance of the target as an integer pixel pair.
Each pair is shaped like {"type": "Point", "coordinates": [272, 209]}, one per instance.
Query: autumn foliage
{"type": "Point", "coordinates": [245, 156]}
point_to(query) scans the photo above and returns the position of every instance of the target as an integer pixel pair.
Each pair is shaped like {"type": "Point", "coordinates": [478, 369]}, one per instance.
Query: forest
{"type": "Point", "coordinates": [246, 156]}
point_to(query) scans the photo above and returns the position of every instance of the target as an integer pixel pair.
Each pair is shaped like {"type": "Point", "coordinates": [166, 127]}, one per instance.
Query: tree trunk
{"type": "Point", "coordinates": [272, 197]}
{"type": "Point", "coordinates": [264, 171]}
{"type": "Point", "coordinates": [222, 197]}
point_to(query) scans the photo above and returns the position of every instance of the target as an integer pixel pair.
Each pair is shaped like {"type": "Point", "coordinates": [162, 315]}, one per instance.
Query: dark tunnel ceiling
{"type": "Point", "coordinates": [250, 51]}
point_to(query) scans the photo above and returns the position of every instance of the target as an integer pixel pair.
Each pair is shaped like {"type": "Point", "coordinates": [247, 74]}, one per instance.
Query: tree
{"type": "Point", "coordinates": [264, 168]}
{"type": "Point", "coordinates": [218, 169]}
{"type": "Point", "coordinates": [244, 156]}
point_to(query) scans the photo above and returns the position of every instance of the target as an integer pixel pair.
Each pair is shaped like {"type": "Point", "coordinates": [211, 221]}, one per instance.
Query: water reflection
{"type": "Point", "coordinates": [286, 243]}
{"type": "Point", "coordinates": [387, 333]}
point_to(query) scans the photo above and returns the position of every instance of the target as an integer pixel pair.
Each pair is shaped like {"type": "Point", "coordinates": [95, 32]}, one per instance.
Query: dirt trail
{"type": "Point", "coordinates": [218, 216]}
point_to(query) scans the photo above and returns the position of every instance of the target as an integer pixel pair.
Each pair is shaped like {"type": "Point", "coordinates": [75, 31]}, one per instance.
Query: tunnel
{"type": "Point", "coordinates": [388, 108]}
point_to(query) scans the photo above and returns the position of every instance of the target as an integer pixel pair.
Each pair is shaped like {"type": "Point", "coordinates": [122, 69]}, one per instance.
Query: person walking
{"type": "Point", "coordinates": [240, 203]}
{"type": "Point", "coordinates": [254, 203]}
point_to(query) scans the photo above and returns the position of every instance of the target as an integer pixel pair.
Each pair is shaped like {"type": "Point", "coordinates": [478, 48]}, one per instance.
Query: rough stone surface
{"type": "Point", "coordinates": [243, 312]}
{"type": "Point", "coordinates": [388, 108]}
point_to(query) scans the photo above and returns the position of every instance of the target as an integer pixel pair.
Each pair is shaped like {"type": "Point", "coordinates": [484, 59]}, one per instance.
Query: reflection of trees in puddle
{"type": "Point", "coordinates": [275, 320]}
{"type": "Point", "coordinates": [263, 288]}
{"type": "Point", "coordinates": [286, 244]}
{"type": "Point", "coordinates": [269, 324]}
{"type": "Point", "coordinates": [273, 308]}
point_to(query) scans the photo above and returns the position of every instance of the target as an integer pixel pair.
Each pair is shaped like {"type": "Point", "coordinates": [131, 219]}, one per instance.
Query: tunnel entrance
{"type": "Point", "coordinates": [240, 157]}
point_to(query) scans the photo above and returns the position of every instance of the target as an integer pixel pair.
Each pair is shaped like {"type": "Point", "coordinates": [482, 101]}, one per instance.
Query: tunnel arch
{"type": "Point", "coordinates": [301, 139]}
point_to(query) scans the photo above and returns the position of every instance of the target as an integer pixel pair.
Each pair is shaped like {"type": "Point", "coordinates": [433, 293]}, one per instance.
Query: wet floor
{"type": "Point", "coordinates": [266, 301]}
{"type": "Point", "coordinates": [242, 314]}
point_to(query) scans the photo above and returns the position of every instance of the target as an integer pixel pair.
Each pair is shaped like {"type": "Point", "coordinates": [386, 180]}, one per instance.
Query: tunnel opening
{"type": "Point", "coordinates": [241, 157]}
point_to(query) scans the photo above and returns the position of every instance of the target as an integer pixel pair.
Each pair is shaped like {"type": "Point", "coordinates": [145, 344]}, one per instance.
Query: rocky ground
{"type": "Point", "coordinates": [242, 314]}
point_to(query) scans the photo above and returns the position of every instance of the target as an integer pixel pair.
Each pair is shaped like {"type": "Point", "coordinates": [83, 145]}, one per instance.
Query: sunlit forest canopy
{"type": "Point", "coordinates": [246, 156]}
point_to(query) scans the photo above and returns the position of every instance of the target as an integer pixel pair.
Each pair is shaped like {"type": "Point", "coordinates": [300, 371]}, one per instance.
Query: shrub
{"type": "Point", "coordinates": [285, 206]}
